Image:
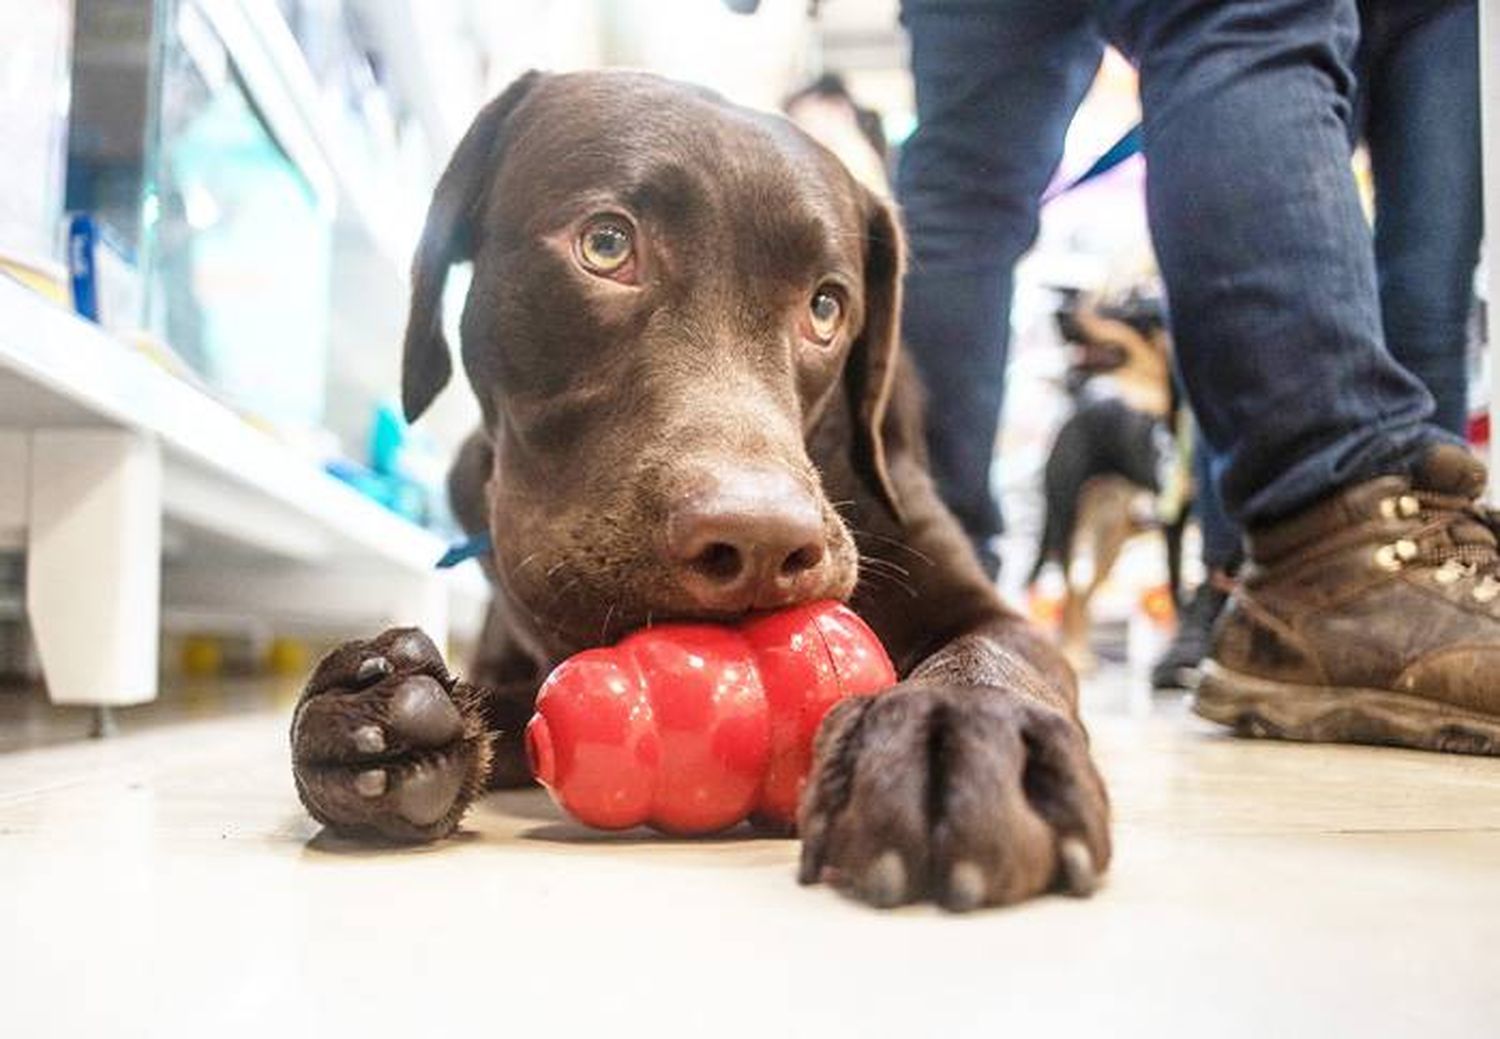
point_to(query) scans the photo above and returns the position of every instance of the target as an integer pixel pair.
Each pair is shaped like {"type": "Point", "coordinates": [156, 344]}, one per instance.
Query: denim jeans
{"type": "Point", "coordinates": [1267, 259]}
{"type": "Point", "coordinates": [1418, 109]}
{"type": "Point", "coordinates": [1419, 89]}
{"type": "Point", "coordinates": [989, 134]}
{"type": "Point", "coordinates": [1223, 540]}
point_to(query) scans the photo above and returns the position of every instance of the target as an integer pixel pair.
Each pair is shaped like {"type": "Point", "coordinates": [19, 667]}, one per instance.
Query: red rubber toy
{"type": "Point", "coordinates": [691, 728]}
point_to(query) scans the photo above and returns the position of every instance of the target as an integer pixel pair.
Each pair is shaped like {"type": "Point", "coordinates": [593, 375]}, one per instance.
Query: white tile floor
{"type": "Point", "coordinates": [166, 883]}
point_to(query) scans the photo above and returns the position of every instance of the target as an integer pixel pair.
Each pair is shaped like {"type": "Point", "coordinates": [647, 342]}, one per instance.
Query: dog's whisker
{"type": "Point", "coordinates": [559, 593]}
{"type": "Point", "coordinates": [924, 557]}
{"type": "Point", "coordinates": [878, 561]}
{"type": "Point", "coordinates": [892, 577]}
{"type": "Point", "coordinates": [878, 579]}
{"type": "Point", "coordinates": [885, 565]}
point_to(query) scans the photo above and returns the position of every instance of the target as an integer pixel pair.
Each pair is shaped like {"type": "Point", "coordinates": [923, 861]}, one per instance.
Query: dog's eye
{"type": "Point", "coordinates": [825, 313]}
{"type": "Point", "coordinates": [606, 246]}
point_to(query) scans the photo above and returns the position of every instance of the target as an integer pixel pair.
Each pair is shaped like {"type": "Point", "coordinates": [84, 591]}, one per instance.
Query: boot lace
{"type": "Point", "coordinates": [1457, 539]}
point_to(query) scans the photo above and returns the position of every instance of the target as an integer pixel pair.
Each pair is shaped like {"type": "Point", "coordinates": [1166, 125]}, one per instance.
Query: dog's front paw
{"type": "Point", "coordinates": [386, 743]}
{"type": "Point", "coordinates": [969, 796]}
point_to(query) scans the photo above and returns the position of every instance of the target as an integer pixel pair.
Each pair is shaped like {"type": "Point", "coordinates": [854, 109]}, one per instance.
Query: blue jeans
{"type": "Point", "coordinates": [1223, 540]}
{"type": "Point", "coordinates": [1419, 90]}
{"type": "Point", "coordinates": [1418, 68]}
{"type": "Point", "coordinates": [989, 134]}
{"type": "Point", "coordinates": [1267, 258]}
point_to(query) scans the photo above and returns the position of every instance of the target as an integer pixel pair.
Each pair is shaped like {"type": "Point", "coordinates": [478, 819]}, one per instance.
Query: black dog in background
{"type": "Point", "coordinates": [1115, 449]}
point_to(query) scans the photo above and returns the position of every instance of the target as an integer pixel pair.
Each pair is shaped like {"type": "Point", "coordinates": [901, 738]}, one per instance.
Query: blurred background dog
{"type": "Point", "coordinates": [1115, 469]}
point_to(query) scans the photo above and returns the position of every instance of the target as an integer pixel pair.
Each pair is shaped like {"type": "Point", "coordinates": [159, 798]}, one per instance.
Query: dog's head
{"type": "Point", "coordinates": [668, 293]}
{"type": "Point", "coordinates": [1126, 341]}
{"type": "Point", "coordinates": [1109, 335]}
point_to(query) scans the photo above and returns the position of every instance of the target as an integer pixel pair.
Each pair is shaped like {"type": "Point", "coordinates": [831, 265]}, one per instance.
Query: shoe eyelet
{"type": "Point", "coordinates": [1406, 549]}
{"type": "Point", "coordinates": [1387, 559]}
{"type": "Point", "coordinates": [1450, 572]}
{"type": "Point", "coordinates": [1487, 590]}
{"type": "Point", "coordinates": [1408, 505]}
{"type": "Point", "coordinates": [1387, 508]}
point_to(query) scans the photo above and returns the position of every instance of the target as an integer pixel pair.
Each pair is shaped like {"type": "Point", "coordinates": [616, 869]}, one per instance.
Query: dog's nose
{"type": "Point", "coordinates": [746, 539]}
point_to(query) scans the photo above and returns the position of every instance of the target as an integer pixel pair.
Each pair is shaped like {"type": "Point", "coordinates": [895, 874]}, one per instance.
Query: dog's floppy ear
{"type": "Point", "coordinates": [447, 238]}
{"type": "Point", "coordinates": [871, 369]}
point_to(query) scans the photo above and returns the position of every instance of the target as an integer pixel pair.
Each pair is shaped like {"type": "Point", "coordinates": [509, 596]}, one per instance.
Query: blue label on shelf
{"type": "Point", "coordinates": [83, 239]}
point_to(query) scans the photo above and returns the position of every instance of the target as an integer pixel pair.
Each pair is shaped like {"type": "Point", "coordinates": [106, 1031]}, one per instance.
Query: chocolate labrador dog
{"type": "Point", "coordinates": [682, 330]}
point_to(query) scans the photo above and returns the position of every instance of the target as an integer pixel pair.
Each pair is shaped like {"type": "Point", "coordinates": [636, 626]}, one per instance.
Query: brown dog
{"type": "Point", "coordinates": [682, 330]}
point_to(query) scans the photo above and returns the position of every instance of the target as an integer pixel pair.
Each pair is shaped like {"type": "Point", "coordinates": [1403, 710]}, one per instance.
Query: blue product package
{"type": "Point", "coordinates": [83, 240]}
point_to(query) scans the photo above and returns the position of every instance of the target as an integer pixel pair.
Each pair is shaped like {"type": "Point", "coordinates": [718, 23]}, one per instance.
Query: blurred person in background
{"type": "Point", "coordinates": [829, 113]}
{"type": "Point", "coordinates": [1417, 109]}
{"type": "Point", "coordinates": [1370, 611]}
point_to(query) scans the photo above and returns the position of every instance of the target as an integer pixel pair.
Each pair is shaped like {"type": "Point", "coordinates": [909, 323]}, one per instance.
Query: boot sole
{"type": "Point", "coordinates": [1260, 707]}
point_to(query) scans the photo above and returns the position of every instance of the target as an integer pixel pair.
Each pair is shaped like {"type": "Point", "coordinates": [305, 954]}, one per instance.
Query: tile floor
{"type": "Point", "coordinates": [165, 882]}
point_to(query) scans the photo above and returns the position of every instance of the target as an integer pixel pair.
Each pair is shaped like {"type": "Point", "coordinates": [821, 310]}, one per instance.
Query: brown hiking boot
{"type": "Point", "coordinates": [1373, 617]}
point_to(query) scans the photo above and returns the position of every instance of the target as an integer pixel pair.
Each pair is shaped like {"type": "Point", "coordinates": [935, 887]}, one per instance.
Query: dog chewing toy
{"type": "Point", "coordinates": [691, 728]}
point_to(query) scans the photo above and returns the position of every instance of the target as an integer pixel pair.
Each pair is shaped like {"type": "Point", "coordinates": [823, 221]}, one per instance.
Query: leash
{"type": "Point", "coordinates": [1127, 146]}
{"type": "Point", "coordinates": [463, 551]}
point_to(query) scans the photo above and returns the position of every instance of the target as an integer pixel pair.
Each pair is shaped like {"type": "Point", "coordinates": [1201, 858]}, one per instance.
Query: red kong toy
{"type": "Point", "coordinates": [691, 728]}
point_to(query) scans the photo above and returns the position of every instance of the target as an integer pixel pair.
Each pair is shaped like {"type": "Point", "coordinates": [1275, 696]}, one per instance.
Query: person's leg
{"type": "Point", "coordinates": [1223, 551]}
{"type": "Point", "coordinates": [1423, 133]}
{"type": "Point", "coordinates": [1371, 609]}
{"type": "Point", "coordinates": [996, 86]}
{"type": "Point", "coordinates": [1223, 540]}
{"type": "Point", "coordinates": [1264, 248]}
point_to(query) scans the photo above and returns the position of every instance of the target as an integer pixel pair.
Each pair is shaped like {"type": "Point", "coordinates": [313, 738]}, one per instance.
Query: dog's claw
{"type": "Point", "coordinates": [810, 866]}
{"type": "Point", "coordinates": [884, 882]}
{"type": "Point", "coordinates": [1076, 864]}
{"type": "Point", "coordinates": [965, 890]}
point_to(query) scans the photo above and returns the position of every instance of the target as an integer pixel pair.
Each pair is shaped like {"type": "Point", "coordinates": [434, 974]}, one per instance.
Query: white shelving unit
{"type": "Point", "coordinates": [127, 488]}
